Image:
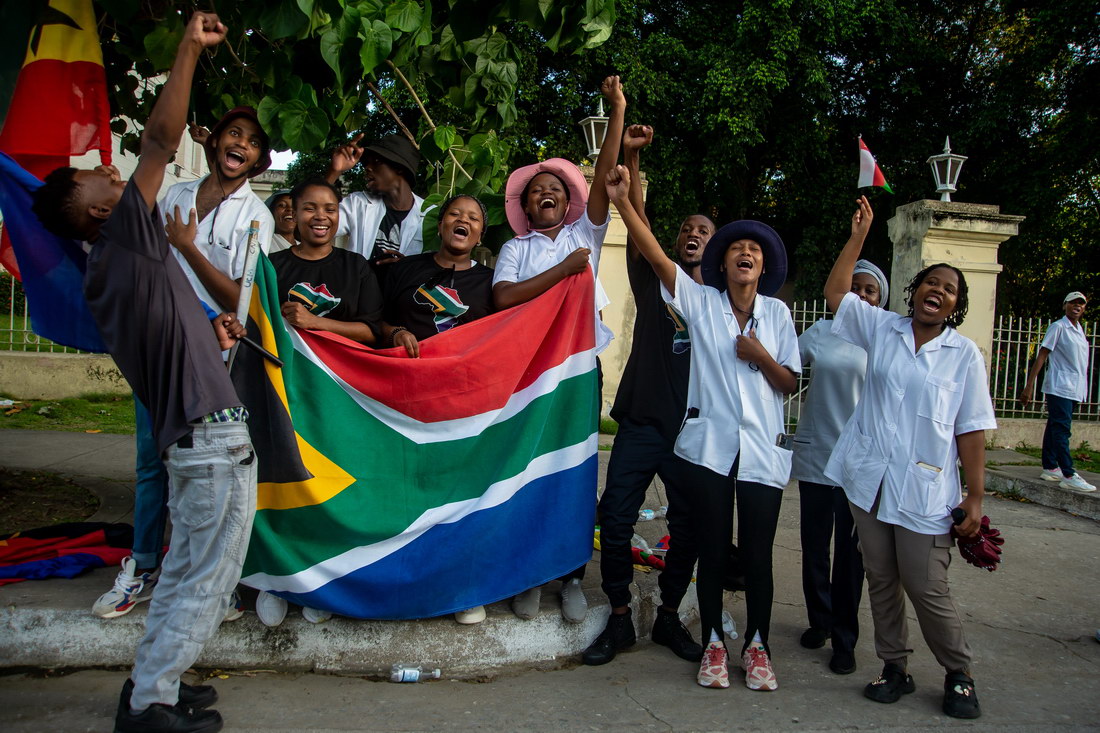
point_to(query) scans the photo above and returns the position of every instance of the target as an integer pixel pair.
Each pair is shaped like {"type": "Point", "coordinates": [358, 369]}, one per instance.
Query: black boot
{"type": "Point", "coordinates": [192, 696]}
{"type": "Point", "coordinates": [616, 636]}
{"type": "Point", "coordinates": [669, 630]}
{"type": "Point", "coordinates": [167, 719]}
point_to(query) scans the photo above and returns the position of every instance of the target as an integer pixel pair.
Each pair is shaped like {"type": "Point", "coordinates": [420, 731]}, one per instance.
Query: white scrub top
{"type": "Point", "coordinates": [1068, 364]}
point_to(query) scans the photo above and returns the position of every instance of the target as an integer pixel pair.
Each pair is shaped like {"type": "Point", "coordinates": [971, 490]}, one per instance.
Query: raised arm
{"type": "Point", "coordinates": [635, 138]}
{"type": "Point", "coordinates": [612, 90]}
{"type": "Point", "coordinates": [166, 123]}
{"type": "Point", "coordinates": [840, 278]}
{"type": "Point", "coordinates": [618, 191]}
{"type": "Point", "coordinates": [344, 158]}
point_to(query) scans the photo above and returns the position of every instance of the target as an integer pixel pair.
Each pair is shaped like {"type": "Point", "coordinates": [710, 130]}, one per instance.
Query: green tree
{"type": "Point", "coordinates": [319, 70]}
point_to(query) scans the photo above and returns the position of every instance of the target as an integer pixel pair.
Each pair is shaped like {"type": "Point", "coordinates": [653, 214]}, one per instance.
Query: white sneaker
{"type": "Point", "coordinates": [315, 615]}
{"type": "Point", "coordinates": [1076, 483]}
{"type": "Point", "coordinates": [1055, 475]}
{"type": "Point", "coordinates": [473, 615]}
{"type": "Point", "coordinates": [526, 604]}
{"type": "Point", "coordinates": [128, 591]}
{"type": "Point", "coordinates": [574, 606]}
{"type": "Point", "coordinates": [270, 608]}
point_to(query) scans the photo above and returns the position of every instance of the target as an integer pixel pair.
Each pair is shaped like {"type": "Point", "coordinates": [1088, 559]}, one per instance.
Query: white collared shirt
{"type": "Point", "coordinates": [361, 213]}
{"type": "Point", "coordinates": [522, 258]}
{"type": "Point", "coordinates": [1068, 364]}
{"type": "Point", "coordinates": [902, 435]}
{"type": "Point", "coordinates": [222, 235]}
{"type": "Point", "coordinates": [739, 411]}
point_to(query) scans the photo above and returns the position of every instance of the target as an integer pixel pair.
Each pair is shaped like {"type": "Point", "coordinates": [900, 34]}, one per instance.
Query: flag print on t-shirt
{"type": "Point", "coordinates": [445, 303]}
{"type": "Point", "coordinates": [681, 340]}
{"type": "Point", "coordinates": [316, 298]}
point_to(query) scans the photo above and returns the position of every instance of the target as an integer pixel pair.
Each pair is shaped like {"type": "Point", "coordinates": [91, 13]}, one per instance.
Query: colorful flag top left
{"type": "Point", "coordinates": [59, 108]}
{"type": "Point", "coordinates": [869, 172]}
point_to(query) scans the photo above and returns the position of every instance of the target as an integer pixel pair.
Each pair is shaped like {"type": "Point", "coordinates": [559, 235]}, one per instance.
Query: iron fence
{"type": "Point", "coordinates": [1015, 343]}
{"type": "Point", "coordinates": [15, 322]}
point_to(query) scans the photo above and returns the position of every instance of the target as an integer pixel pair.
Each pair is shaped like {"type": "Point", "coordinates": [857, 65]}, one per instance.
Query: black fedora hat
{"type": "Point", "coordinates": [397, 150]}
{"type": "Point", "coordinates": [775, 254]}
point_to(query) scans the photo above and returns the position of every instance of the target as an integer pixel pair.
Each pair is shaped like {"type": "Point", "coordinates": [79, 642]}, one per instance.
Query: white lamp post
{"type": "Point", "coordinates": [595, 129]}
{"type": "Point", "coordinates": [945, 169]}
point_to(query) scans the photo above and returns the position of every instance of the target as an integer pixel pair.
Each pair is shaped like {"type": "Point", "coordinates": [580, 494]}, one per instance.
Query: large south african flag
{"type": "Point", "coordinates": [399, 488]}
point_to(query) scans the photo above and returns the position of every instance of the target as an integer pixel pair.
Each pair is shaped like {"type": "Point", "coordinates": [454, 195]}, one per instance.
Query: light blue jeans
{"type": "Point", "coordinates": [212, 500]}
{"type": "Point", "coordinates": [150, 492]}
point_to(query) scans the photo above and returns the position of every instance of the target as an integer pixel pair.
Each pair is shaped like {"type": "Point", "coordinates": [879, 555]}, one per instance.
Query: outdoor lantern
{"type": "Point", "coordinates": [595, 129]}
{"type": "Point", "coordinates": [945, 169]}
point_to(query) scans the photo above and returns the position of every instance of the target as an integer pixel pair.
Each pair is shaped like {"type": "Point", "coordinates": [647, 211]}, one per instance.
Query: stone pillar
{"type": "Point", "coordinates": [964, 235]}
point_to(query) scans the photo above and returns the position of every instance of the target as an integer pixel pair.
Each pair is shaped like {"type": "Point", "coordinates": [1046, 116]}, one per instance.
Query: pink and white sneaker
{"type": "Point", "coordinates": [714, 669]}
{"type": "Point", "coordinates": [759, 674]}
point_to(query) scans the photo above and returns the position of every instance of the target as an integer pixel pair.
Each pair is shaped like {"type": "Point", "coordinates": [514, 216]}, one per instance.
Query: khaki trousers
{"type": "Point", "coordinates": [896, 558]}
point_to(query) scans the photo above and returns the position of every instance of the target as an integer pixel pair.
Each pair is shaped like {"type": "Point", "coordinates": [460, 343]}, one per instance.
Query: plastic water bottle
{"type": "Point", "coordinates": [646, 515]}
{"type": "Point", "coordinates": [638, 541]}
{"type": "Point", "coordinates": [729, 626]}
{"type": "Point", "coordinates": [409, 673]}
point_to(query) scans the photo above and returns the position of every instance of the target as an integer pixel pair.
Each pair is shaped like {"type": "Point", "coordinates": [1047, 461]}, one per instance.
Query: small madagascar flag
{"type": "Point", "coordinates": [869, 172]}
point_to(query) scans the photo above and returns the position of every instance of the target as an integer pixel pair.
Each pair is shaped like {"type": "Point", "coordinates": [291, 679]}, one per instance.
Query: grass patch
{"type": "Point", "coordinates": [30, 499]}
{"type": "Point", "coordinates": [608, 426]}
{"type": "Point", "coordinates": [88, 414]}
{"type": "Point", "coordinates": [1084, 457]}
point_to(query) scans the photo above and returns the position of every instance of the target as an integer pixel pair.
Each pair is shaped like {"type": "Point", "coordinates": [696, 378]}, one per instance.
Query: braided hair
{"type": "Point", "coordinates": [962, 301]}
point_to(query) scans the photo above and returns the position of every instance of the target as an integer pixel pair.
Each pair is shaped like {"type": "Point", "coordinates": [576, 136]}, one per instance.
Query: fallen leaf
{"type": "Point", "coordinates": [93, 431]}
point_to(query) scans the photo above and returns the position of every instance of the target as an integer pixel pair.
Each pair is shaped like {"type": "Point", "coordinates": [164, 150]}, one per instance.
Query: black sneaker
{"type": "Point", "coordinates": [192, 696]}
{"type": "Point", "coordinates": [669, 630]}
{"type": "Point", "coordinates": [843, 663]}
{"type": "Point", "coordinates": [814, 638]}
{"type": "Point", "coordinates": [167, 719]}
{"type": "Point", "coordinates": [891, 684]}
{"type": "Point", "coordinates": [960, 700]}
{"type": "Point", "coordinates": [615, 637]}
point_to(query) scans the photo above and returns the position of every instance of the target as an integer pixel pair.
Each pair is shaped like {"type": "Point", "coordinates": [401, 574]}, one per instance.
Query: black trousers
{"type": "Point", "coordinates": [832, 602]}
{"type": "Point", "coordinates": [640, 453]}
{"type": "Point", "coordinates": [712, 501]}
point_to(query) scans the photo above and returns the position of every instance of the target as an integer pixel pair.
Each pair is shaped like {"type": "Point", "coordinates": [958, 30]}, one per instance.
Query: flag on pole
{"type": "Point", "coordinates": [59, 107]}
{"type": "Point", "coordinates": [396, 488]}
{"type": "Point", "coordinates": [869, 172]}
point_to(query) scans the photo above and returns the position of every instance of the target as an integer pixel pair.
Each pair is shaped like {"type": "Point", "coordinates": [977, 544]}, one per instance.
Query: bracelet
{"type": "Point", "coordinates": [394, 332]}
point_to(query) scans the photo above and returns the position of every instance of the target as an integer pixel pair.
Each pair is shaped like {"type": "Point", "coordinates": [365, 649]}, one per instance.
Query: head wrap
{"type": "Point", "coordinates": [883, 284]}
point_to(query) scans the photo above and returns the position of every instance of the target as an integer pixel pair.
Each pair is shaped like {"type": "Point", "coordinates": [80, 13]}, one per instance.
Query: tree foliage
{"type": "Point", "coordinates": [320, 70]}
{"type": "Point", "coordinates": [757, 104]}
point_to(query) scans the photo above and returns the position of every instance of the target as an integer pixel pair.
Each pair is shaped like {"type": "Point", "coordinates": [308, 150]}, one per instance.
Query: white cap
{"type": "Point", "coordinates": [1075, 295]}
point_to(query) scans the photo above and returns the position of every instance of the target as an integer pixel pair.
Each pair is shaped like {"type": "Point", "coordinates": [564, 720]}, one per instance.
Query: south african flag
{"type": "Point", "coordinates": [405, 488]}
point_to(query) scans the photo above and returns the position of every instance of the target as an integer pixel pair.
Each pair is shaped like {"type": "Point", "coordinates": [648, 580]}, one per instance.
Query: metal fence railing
{"type": "Point", "coordinates": [15, 322]}
{"type": "Point", "coordinates": [1015, 343]}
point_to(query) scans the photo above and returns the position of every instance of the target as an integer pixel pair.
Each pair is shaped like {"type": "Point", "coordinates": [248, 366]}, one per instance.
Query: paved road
{"type": "Point", "coordinates": [1031, 624]}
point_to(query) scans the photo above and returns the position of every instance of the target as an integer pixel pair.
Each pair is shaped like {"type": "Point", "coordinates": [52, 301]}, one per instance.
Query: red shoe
{"type": "Point", "coordinates": [714, 670]}
{"type": "Point", "coordinates": [759, 674]}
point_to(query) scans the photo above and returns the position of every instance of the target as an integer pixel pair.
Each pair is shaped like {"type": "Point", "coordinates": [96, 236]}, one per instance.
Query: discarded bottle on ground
{"type": "Point", "coordinates": [646, 515]}
{"type": "Point", "coordinates": [409, 673]}
{"type": "Point", "coordinates": [638, 541]}
{"type": "Point", "coordinates": [729, 626]}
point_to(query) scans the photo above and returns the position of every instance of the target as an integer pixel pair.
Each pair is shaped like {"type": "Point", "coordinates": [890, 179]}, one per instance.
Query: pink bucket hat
{"type": "Point", "coordinates": [513, 191]}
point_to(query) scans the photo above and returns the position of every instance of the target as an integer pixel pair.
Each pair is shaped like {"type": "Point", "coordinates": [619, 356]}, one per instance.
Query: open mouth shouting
{"type": "Point", "coordinates": [932, 304]}
{"type": "Point", "coordinates": [234, 160]}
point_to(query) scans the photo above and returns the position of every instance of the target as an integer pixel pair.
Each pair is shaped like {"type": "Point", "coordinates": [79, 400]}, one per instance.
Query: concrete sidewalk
{"type": "Point", "coordinates": [1031, 625]}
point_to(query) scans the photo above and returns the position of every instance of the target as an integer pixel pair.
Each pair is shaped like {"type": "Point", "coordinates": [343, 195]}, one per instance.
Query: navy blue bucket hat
{"type": "Point", "coordinates": [775, 255]}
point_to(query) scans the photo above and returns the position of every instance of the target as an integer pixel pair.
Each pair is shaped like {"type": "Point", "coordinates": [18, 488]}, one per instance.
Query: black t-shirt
{"type": "Point", "coordinates": [388, 240]}
{"type": "Point", "coordinates": [340, 286]}
{"type": "Point", "coordinates": [152, 322]}
{"type": "Point", "coordinates": [653, 389]}
{"type": "Point", "coordinates": [428, 299]}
